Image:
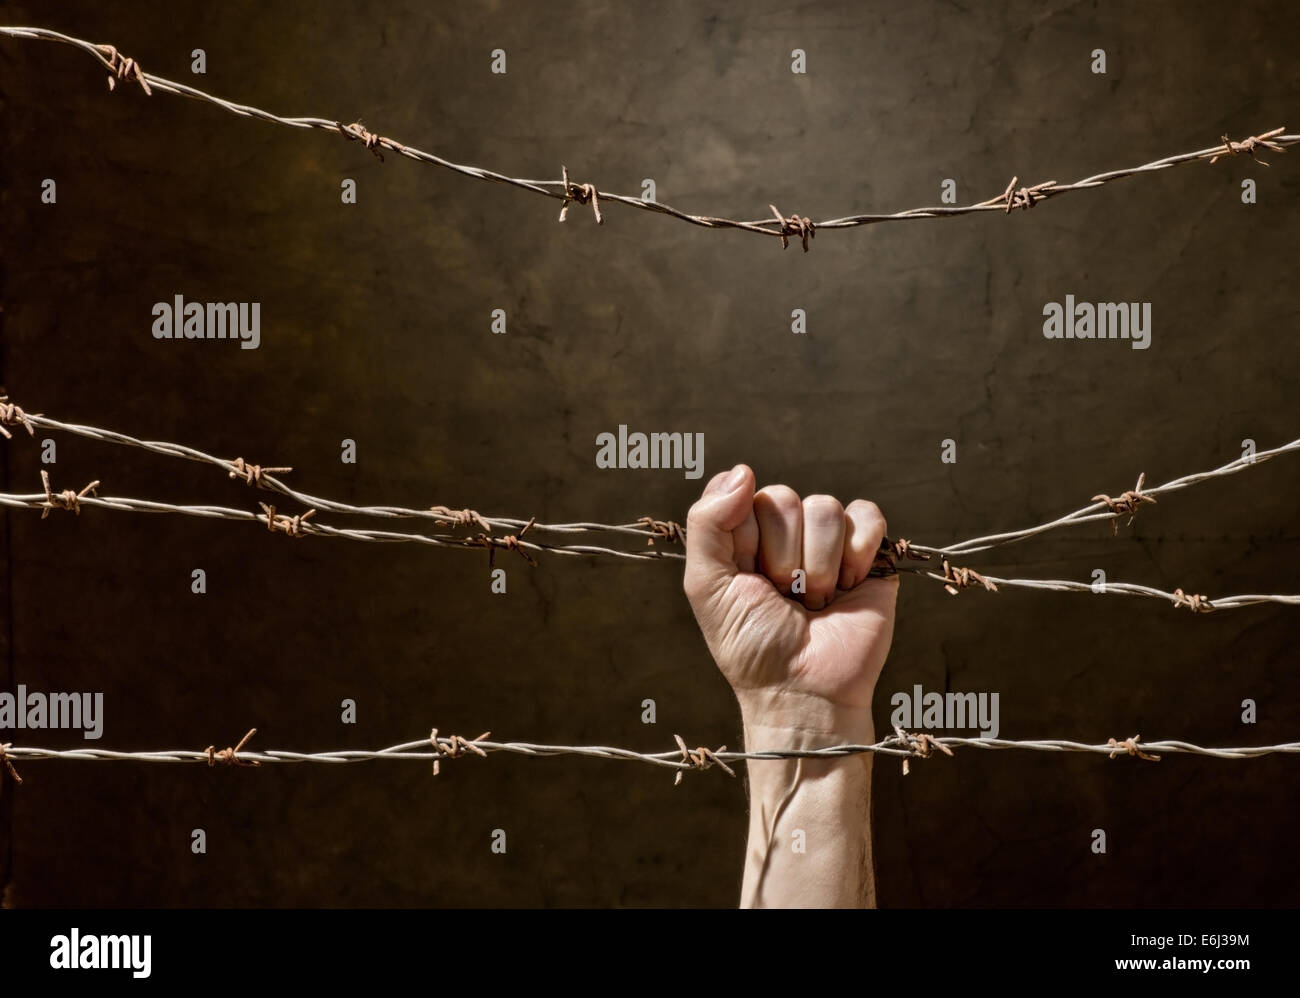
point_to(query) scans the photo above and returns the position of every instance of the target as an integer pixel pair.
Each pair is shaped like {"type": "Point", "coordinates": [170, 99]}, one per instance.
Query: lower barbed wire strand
{"type": "Point", "coordinates": [421, 751]}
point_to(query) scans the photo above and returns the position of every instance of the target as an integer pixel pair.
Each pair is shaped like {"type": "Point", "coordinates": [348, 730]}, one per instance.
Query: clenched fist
{"type": "Point", "coordinates": [812, 657]}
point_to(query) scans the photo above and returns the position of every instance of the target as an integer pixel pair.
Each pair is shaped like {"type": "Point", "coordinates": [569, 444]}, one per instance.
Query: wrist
{"type": "Point", "coordinates": [791, 719]}
{"type": "Point", "coordinates": [820, 804]}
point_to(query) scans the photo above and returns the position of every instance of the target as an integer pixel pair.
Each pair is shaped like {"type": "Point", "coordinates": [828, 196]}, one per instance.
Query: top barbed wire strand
{"type": "Point", "coordinates": [779, 226]}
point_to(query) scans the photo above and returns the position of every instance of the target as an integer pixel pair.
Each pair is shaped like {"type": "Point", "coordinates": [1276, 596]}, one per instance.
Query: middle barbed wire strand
{"type": "Point", "coordinates": [302, 526]}
{"type": "Point", "coordinates": [646, 527]}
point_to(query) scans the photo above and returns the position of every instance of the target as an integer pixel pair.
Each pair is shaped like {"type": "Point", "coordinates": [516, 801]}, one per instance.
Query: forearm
{"type": "Point", "coordinates": [809, 819]}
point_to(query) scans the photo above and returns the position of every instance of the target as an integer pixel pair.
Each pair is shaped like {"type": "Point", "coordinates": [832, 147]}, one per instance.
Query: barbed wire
{"type": "Point", "coordinates": [1102, 508]}
{"type": "Point", "coordinates": [302, 525]}
{"type": "Point", "coordinates": [1127, 503]}
{"type": "Point", "coordinates": [778, 225]}
{"type": "Point", "coordinates": [252, 474]}
{"type": "Point", "coordinates": [961, 578]}
{"type": "Point", "coordinates": [437, 748]}
{"type": "Point", "coordinates": [954, 578]}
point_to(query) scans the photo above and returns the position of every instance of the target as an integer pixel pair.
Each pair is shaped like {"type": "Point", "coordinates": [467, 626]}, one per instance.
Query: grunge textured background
{"type": "Point", "coordinates": [375, 326]}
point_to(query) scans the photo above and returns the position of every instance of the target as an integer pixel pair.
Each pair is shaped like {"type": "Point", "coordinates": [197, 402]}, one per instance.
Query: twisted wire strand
{"type": "Point", "coordinates": [275, 484]}
{"type": "Point", "coordinates": [1093, 512]}
{"type": "Point", "coordinates": [912, 746]}
{"type": "Point", "coordinates": [1178, 599]}
{"type": "Point", "coordinates": [316, 528]}
{"type": "Point", "coordinates": [779, 226]}
{"type": "Point", "coordinates": [1099, 510]}
{"type": "Point", "coordinates": [304, 527]}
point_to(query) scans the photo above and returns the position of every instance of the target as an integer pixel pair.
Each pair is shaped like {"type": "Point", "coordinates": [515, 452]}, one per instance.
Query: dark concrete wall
{"type": "Point", "coordinates": [375, 327]}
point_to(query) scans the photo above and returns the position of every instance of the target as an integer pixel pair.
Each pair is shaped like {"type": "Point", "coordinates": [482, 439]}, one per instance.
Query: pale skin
{"type": "Point", "coordinates": [803, 667]}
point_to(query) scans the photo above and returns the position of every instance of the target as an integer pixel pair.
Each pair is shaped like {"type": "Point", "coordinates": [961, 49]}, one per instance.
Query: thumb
{"type": "Point", "coordinates": [725, 504]}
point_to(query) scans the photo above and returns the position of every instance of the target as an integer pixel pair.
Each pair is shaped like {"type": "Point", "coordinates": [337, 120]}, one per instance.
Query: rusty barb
{"type": "Point", "coordinates": [957, 579]}
{"type": "Point", "coordinates": [667, 530]}
{"type": "Point", "coordinates": [510, 542]}
{"type": "Point", "coordinates": [902, 550]}
{"type": "Point", "coordinates": [1194, 602]}
{"type": "Point", "coordinates": [283, 523]}
{"type": "Point", "coordinates": [356, 132]}
{"type": "Point", "coordinates": [1126, 503]}
{"type": "Point", "coordinates": [8, 763]}
{"type": "Point", "coordinates": [1131, 746]}
{"type": "Point", "coordinates": [252, 474]}
{"type": "Point", "coordinates": [1025, 197]}
{"type": "Point", "coordinates": [67, 499]}
{"type": "Point", "coordinates": [121, 67]}
{"type": "Point", "coordinates": [462, 517]}
{"type": "Point", "coordinates": [1249, 145]}
{"type": "Point", "coordinates": [230, 756]}
{"type": "Point", "coordinates": [13, 415]}
{"type": "Point", "coordinates": [921, 746]}
{"type": "Point", "coordinates": [581, 193]}
{"type": "Point", "coordinates": [890, 553]}
{"type": "Point", "coordinates": [701, 759]}
{"type": "Point", "coordinates": [796, 225]}
{"type": "Point", "coordinates": [453, 747]}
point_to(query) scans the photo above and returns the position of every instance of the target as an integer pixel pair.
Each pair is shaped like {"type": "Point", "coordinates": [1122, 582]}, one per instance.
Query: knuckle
{"type": "Point", "coordinates": [868, 513]}
{"type": "Point", "coordinates": [782, 498]}
{"type": "Point", "coordinates": [822, 507]}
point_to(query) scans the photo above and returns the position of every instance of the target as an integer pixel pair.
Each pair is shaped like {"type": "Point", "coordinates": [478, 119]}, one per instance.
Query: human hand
{"type": "Point", "coordinates": [807, 662]}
